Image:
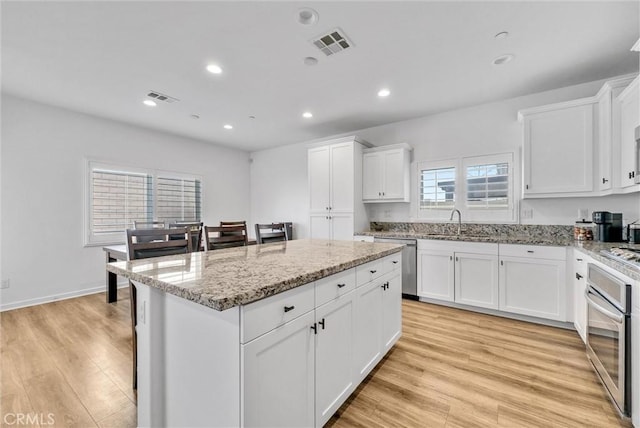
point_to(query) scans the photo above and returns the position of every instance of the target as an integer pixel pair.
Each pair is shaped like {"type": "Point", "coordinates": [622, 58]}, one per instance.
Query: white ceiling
{"type": "Point", "coordinates": [103, 57]}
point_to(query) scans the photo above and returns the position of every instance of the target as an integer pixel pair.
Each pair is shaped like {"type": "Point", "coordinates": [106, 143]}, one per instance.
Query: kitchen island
{"type": "Point", "coordinates": [272, 335]}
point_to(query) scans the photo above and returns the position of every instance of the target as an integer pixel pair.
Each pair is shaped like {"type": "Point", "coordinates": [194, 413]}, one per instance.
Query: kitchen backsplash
{"type": "Point", "coordinates": [505, 230]}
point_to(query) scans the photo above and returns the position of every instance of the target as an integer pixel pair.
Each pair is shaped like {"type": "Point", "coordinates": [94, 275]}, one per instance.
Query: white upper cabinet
{"type": "Point", "coordinates": [558, 149]}
{"type": "Point", "coordinates": [629, 170]}
{"type": "Point", "coordinates": [386, 173]}
{"type": "Point", "coordinates": [336, 210]}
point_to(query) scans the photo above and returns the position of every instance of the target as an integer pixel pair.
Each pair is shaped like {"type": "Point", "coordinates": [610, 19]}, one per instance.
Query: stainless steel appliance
{"type": "Point", "coordinates": [409, 276]}
{"type": "Point", "coordinates": [609, 334]}
{"type": "Point", "coordinates": [608, 226]}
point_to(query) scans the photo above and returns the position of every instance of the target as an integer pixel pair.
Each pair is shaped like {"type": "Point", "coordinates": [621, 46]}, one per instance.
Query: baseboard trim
{"type": "Point", "coordinates": [55, 297]}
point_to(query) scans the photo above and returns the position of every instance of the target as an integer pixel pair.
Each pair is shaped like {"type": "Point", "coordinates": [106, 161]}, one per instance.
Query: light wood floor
{"type": "Point", "coordinates": [451, 368]}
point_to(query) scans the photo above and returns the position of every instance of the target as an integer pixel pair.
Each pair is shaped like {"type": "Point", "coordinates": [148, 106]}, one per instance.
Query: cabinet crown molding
{"type": "Point", "coordinates": [622, 81]}
{"type": "Point", "coordinates": [388, 147]}
{"type": "Point", "coordinates": [349, 139]}
{"type": "Point", "coordinates": [555, 107]}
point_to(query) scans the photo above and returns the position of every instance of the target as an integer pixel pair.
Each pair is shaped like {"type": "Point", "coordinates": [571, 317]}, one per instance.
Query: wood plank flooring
{"type": "Point", "coordinates": [451, 368]}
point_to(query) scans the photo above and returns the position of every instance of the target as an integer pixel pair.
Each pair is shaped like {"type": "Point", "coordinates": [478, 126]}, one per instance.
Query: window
{"type": "Point", "coordinates": [480, 187]}
{"type": "Point", "coordinates": [118, 196]}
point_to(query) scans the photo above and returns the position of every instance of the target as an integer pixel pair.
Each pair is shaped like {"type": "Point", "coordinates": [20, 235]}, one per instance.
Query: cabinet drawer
{"type": "Point", "coordinates": [533, 251]}
{"type": "Point", "coordinates": [335, 286]}
{"type": "Point", "coordinates": [264, 315]}
{"type": "Point", "coordinates": [369, 271]}
{"type": "Point", "coordinates": [392, 262]}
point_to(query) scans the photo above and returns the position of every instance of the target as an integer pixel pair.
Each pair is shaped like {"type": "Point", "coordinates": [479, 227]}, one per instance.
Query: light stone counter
{"type": "Point", "coordinates": [593, 249]}
{"type": "Point", "coordinates": [497, 238]}
{"type": "Point", "coordinates": [223, 279]}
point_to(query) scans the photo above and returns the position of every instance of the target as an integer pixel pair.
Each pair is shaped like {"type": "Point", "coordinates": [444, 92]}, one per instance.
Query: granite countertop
{"type": "Point", "coordinates": [593, 249]}
{"type": "Point", "coordinates": [496, 238]}
{"type": "Point", "coordinates": [223, 279]}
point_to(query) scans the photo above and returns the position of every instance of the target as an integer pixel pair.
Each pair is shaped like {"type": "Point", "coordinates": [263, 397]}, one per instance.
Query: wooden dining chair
{"type": "Point", "coordinates": [218, 237]}
{"type": "Point", "coordinates": [273, 232]}
{"type": "Point", "coordinates": [195, 229]}
{"type": "Point", "coordinates": [146, 243]}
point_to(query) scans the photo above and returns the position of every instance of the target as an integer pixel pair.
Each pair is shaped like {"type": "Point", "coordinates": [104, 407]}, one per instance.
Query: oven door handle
{"type": "Point", "coordinates": [616, 317]}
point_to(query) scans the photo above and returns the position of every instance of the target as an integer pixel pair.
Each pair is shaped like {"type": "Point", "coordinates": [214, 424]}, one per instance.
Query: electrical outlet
{"type": "Point", "coordinates": [527, 213]}
{"type": "Point", "coordinates": [4, 283]}
{"type": "Point", "coordinates": [583, 213]}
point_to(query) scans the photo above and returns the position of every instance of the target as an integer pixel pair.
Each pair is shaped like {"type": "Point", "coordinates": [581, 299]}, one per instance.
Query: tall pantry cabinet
{"type": "Point", "coordinates": [336, 210]}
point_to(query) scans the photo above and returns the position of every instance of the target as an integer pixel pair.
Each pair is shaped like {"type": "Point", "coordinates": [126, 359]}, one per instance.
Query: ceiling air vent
{"type": "Point", "coordinates": [157, 96]}
{"type": "Point", "coordinates": [332, 42]}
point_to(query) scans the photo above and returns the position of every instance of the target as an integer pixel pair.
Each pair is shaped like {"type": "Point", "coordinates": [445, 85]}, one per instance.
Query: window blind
{"type": "Point", "coordinates": [178, 199]}
{"type": "Point", "coordinates": [437, 188]}
{"type": "Point", "coordinates": [119, 198]}
{"type": "Point", "coordinates": [488, 186]}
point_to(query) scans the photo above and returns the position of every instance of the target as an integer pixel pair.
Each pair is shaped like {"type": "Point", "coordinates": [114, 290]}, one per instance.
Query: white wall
{"type": "Point", "coordinates": [43, 156]}
{"type": "Point", "coordinates": [484, 129]}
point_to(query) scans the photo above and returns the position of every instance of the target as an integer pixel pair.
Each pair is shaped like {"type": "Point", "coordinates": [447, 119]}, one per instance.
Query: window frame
{"type": "Point", "coordinates": [440, 213]}
{"type": "Point", "coordinates": [118, 238]}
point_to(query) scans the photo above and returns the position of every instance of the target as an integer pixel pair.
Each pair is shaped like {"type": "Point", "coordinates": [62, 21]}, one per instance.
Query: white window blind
{"type": "Point", "coordinates": [488, 186]}
{"type": "Point", "coordinates": [119, 198]}
{"type": "Point", "coordinates": [437, 188]}
{"type": "Point", "coordinates": [178, 199]}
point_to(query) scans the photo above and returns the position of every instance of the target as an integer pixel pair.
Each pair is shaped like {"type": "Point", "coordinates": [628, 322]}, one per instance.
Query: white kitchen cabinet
{"type": "Point", "coordinates": [279, 368]}
{"type": "Point", "coordinates": [532, 284]}
{"type": "Point", "coordinates": [386, 174]}
{"type": "Point", "coordinates": [461, 272]}
{"type": "Point", "coordinates": [476, 279]}
{"type": "Point", "coordinates": [558, 149]}
{"type": "Point", "coordinates": [367, 329]}
{"type": "Point", "coordinates": [335, 378]}
{"type": "Point", "coordinates": [336, 210]}
{"type": "Point", "coordinates": [629, 169]}
{"type": "Point", "coordinates": [579, 263]}
{"type": "Point", "coordinates": [391, 311]}
{"type": "Point", "coordinates": [436, 274]}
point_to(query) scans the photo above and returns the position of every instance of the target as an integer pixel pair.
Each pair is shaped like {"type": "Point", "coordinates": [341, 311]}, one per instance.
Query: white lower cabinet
{"type": "Point", "coordinates": [534, 287]}
{"type": "Point", "coordinates": [279, 368]}
{"type": "Point", "coordinates": [476, 279]}
{"type": "Point", "coordinates": [579, 272]}
{"type": "Point", "coordinates": [436, 274]}
{"type": "Point", "coordinates": [334, 355]}
{"type": "Point", "coordinates": [300, 372]}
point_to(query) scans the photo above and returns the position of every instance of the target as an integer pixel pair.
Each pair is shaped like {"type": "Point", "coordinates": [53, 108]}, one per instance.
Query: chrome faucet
{"type": "Point", "coordinates": [453, 211]}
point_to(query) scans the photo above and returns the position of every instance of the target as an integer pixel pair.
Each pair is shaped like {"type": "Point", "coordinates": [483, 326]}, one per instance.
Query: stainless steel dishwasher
{"type": "Point", "coordinates": [409, 280]}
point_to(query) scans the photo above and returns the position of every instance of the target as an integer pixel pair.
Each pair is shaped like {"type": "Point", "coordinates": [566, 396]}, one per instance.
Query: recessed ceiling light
{"type": "Point", "coordinates": [194, 116]}
{"type": "Point", "coordinates": [252, 117]}
{"type": "Point", "coordinates": [149, 103]}
{"type": "Point", "coordinates": [502, 35]}
{"type": "Point", "coordinates": [310, 60]}
{"type": "Point", "coordinates": [384, 92]}
{"type": "Point", "coordinates": [503, 59]}
{"type": "Point", "coordinates": [307, 115]}
{"type": "Point", "coordinates": [213, 68]}
{"type": "Point", "coordinates": [307, 16]}
{"type": "Point", "coordinates": [227, 126]}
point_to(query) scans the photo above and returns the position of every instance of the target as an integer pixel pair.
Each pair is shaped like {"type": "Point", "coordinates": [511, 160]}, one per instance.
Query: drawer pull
{"type": "Point", "coordinates": [341, 285]}
{"type": "Point", "coordinates": [373, 271]}
{"type": "Point", "coordinates": [578, 260]}
{"type": "Point", "coordinates": [395, 262]}
{"type": "Point", "coordinates": [530, 251]}
{"type": "Point", "coordinates": [314, 328]}
{"type": "Point", "coordinates": [289, 308]}
{"type": "Point", "coordinates": [578, 276]}
{"type": "Point", "coordinates": [385, 286]}
{"type": "Point", "coordinates": [321, 323]}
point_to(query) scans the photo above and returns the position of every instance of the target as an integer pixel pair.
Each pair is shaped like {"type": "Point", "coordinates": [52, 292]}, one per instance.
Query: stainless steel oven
{"type": "Point", "coordinates": [609, 334]}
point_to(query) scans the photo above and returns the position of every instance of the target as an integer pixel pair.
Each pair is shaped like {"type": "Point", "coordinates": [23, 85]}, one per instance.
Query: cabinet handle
{"type": "Point", "coordinates": [450, 257]}
{"type": "Point", "coordinates": [604, 180]}
{"type": "Point", "coordinates": [395, 262]}
{"type": "Point", "coordinates": [289, 308]}
{"type": "Point", "coordinates": [314, 328]}
{"type": "Point", "coordinates": [373, 271]}
{"type": "Point", "coordinates": [382, 193]}
{"type": "Point", "coordinates": [330, 217]}
{"type": "Point", "coordinates": [321, 323]}
{"type": "Point", "coordinates": [527, 186]}
{"type": "Point", "coordinates": [578, 276]}
{"type": "Point", "coordinates": [631, 175]}
{"type": "Point", "coordinates": [379, 194]}
{"type": "Point", "coordinates": [327, 208]}
{"type": "Point", "coordinates": [457, 259]}
{"type": "Point", "coordinates": [501, 262]}
{"type": "Point", "coordinates": [341, 285]}
{"type": "Point", "coordinates": [578, 260]}
{"type": "Point", "coordinates": [385, 286]}
{"type": "Point", "coordinates": [530, 251]}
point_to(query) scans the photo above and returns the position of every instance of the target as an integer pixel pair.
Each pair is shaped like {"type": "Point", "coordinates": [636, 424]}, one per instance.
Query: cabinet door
{"type": "Point", "coordinates": [629, 120]}
{"type": "Point", "coordinates": [535, 287]}
{"type": "Point", "coordinates": [278, 381]}
{"type": "Point", "coordinates": [319, 226]}
{"type": "Point", "coordinates": [579, 301]}
{"type": "Point", "coordinates": [342, 226]}
{"type": "Point", "coordinates": [371, 176]}
{"type": "Point", "coordinates": [334, 355]}
{"type": "Point", "coordinates": [367, 329]}
{"type": "Point", "coordinates": [476, 280]}
{"type": "Point", "coordinates": [435, 274]}
{"type": "Point", "coordinates": [342, 178]}
{"type": "Point", "coordinates": [605, 107]}
{"type": "Point", "coordinates": [558, 151]}
{"type": "Point", "coordinates": [394, 174]}
{"type": "Point", "coordinates": [319, 176]}
{"type": "Point", "coordinates": [391, 311]}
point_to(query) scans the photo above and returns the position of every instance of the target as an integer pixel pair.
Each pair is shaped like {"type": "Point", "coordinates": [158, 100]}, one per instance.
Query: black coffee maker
{"type": "Point", "coordinates": [608, 226]}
